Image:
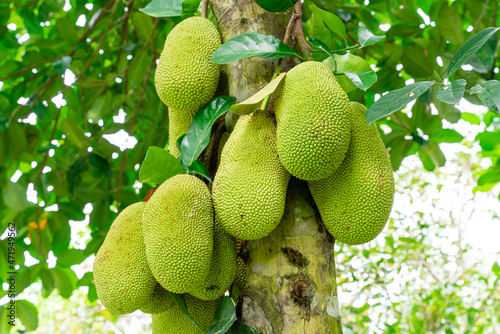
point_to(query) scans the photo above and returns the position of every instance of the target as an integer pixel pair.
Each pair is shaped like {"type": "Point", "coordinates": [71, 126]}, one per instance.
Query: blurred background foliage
{"type": "Point", "coordinates": [78, 110]}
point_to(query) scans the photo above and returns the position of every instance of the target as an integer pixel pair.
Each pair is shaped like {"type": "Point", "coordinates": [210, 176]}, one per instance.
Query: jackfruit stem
{"type": "Point", "coordinates": [204, 4]}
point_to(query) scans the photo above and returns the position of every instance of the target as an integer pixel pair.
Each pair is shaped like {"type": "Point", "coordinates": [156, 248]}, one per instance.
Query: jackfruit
{"type": "Point", "coordinates": [241, 273]}
{"type": "Point", "coordinates": [159, 301]}
{"type": "Point", "coordinates": [178, 225]}
{"type": "Point", "coordinates": [123, 280]}
{"type": "Point", "coordinates": [186, 78]}
{"type": "Point", "coordinates": [222, 267]}
{"type": "Point", "coordinates": [173, 320]}
{"type": "Point", "coordinates": [249, 188]}
{"type": "Point", "coordinates": [356, 200]}
{"type": "Point", "coordinates": [313, 126]}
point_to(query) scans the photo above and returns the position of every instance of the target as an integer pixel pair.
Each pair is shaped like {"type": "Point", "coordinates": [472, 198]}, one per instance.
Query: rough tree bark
{"type": "Point", "coordinates": [291, 273]}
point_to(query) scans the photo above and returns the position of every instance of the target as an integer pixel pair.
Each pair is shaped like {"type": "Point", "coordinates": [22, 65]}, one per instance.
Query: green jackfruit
{"type": "Point", "coordinates": [159, 301]}
{"type": "Point", "coordinates": [313, 128]}
{"type": "Point", "coordinates": [356, 200]}
{"type": "Point", "coordinates": [186, 78]}
{"type": "Point", "coordinates": [241, 273]}
{"type": "Point", "coordinates": [179, 123]}
{"type": "Point", "coordinates": [178, 224]}
{"type": "Point", "coordinates": [173, 320]}
{"type": "Point", "coordinates": [222, 267]}
{"type": "Point", "coordinates": [249, 189]}
{"type": "Point", "coordinates": [123, 280]}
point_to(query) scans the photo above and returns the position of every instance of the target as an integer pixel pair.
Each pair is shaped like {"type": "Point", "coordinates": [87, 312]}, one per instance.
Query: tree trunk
{"type": "Point", "coordinates": [291, 281]}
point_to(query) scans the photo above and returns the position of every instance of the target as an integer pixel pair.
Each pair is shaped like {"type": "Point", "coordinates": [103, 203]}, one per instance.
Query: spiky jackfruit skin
{"type": "Point", "coordinates": [123, 280]}
{"type": "Point", "coordinates": [178, 124]}
{"type": "Point", "coordinates": [249, 188]}
{"type": "Point", "coordinates": [241, 273]}
{"type": "Point", "coordinates": [313, 126]}
{"type": "Point", "coordinates": [356, 200]}
{"type": "Point", "coordinates": [185, 77]}
{"type": "Point", "coordinates": [178, 225]}
{"type": "Point", "coordinates": [159, 301]}
{"type": "Point", "coordinates": [222, 267]}
{"type": "Point", "coordinates": [174, 321]}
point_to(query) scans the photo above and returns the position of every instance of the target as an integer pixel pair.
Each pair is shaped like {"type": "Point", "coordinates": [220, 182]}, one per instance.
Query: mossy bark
{"type": "Point", "coordinates": [291, 282]}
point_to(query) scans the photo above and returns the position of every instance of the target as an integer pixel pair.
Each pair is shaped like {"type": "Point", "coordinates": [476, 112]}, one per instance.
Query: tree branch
{"type": "Point", "coordinates": [298, 33]}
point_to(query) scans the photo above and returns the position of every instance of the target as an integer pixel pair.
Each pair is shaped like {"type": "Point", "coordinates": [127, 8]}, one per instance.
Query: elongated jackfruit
{"type": "Point", "coordinates": [313, 126]}
{"type": "Point", "coordinates": [159, 301]}
{"type": "Point", "coordinates": [356, 200]}
{"type": "Point", "coordinates": [185, 77]}
{"type": "Point", "coordinates": [249, 189]}
{"type": "Point", "coordinates": [173, 320]}
{"type": "Point", "coordinates": [222, 267]}
{"type": "Point", "coordinates": [123, 280]}
{"type": "Point", "coordinates": [178, 224]}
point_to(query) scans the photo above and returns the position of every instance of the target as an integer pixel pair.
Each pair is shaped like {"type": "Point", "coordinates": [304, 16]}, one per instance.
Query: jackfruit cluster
{"type": "Point", "coordinates": [186, 78]}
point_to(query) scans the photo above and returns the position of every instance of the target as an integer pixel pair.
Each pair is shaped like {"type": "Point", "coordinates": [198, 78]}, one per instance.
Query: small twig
{"type": "Point", "coordinates": [204, 5]}
{"type": "Point", "coordinates": [298, 33]}
{"type": "Point", "coordinates": [480, 16]}
{"type": "Point", "coordinates": [289, 27]}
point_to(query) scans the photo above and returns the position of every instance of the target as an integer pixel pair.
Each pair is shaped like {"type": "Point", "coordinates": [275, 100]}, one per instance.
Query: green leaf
{"type": "Point", "coordinates": [74, 133]}
{"type": "Point", "coordinates": [489, 93]}
{"type": "Point", "coordinates": [331, 21]}
{"type": "Point", "coordinates": [138, 69]}
{"type": "Point", "coordinates": [426, 160]}
{"type": "Point", "coordinates": [253, 102]}
{"type": "Point", "coordinates": [224, 317]}
{"type": "Point", "coordinates": [241, 328]}
{"type": "Point", "coordinates": [395, 100]}
{"type": "Point", "coordinates": [249, 45]}
{"type": "Point", "coordinates": [447, 136]}
{"type": "Point", "coordinates": [101, 164]}
{"type": "Point", "coordinates": [5, 317]}
{"type": "Point", "coordinates": [434, 152]}
{"type": "Point", "coordinates": [62, 64]}
{"type": "Point", "coordinates": [346, 63]}
{"type": "Point", "coordinates": [452, 93]}
{"type": "Point", "coordinates": [470, 48]}
{"type": "Point", "coordinates": [163, 8]}
{"type": "Point", "coordinates": [320, 45]}
{"type": "Point", "coordinates": [198, 136]}
{"type": "Point", "coordinates": [365, 37]}
{"type": "Point", "coordinates": [496, 269]}
{"type": "Point", "coordinates": [70, 257]}
{"type": "Point", "coordinates": [64, 280]}
{"type": "Point", "coordinates": [488, 178]}
{"type": "Point", "coordinates": [189, 8]}
{"type": "Point", "coordinates": [14, 196]}
{"type": "Point", "coordinates": [28, 314]}
{"type": "Point", "coordinates": [447, 111]}
{"type": "Point", "coordinates": [158, 166]}
{"type": "Point", "coordinates": [449, 24]}
{"type": "Point", "coordinates": [181, 302]}
{"type": "Point", "coordinates": [488, 140]}
{"type": "Point", "coordinates": [198, 167]}
{"type": "Point", "coordinates": [362, 80]}
{"type": "Point", "coordinates": [471, 118]}
{"type": "Point", "coordinates": [275, 6]}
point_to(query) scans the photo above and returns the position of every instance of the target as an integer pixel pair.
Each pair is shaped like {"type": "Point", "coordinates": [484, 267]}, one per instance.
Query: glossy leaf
{"type": "Point", "coordinates": [163, 8]}
{"type": "Point", "coordinates": [253, 102]}
{"type": "Point", "coordinates": [395, 100]}
{"type": "Point", "coordinates": [366, 37]}
{"type": "Point", "coordinates": [489, 93]}
{"type": "Point", "coordinates": [452, 93]}
{"type": "Point", "coordinates": [241, 328]}
{"type": "Point", "coordinates": [346, 63]}
{"type": "Point", "coordinates": [470, 48]}
{"type": "Point", "coordinates": [275, 6]}
{"type": "Point", "coordinates": [471, 118]}
{"type": "Point", "coordinates": [447, 136]}
{"type": "Point", "coordinates": [14, 196]}
{"type": "Point", "coordinates": [331, 21]}
{"type": "Point", "coordinates": [181, 302]}
{"type": "Point", "coordinates": [198, 167]}
{"type": "Point", "coordinates": [158, 166]}
{"type": "Point", "coordinates": [224, 317]}
{"type": "Point", "coordinates": [249, 45]}
{"type": "Point", "coordinates": [362, 80]}
{"type": "Point", "coordinates": [198, 136]}
{"type": "Point", "coordinates": [320, 45]}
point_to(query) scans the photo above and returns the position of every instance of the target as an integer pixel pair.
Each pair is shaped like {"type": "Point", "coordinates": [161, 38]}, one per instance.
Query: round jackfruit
{"type": "Point", "coordinates": [222, 267]}
{"type": "Point", "coordinates": [174, 321]}
{"type": "Point", "coordinates": [159, 301]}
{"type": "Point", "coordinates": [313, 124]}
{"type": "Point", "coordinates": [356, 200]}
{"type": "Point", "coordinates": [186, 78]}
{"type": "Point", "coordinates": [178, 225]}
{"type": "Point", "coordinates": [249, 188]}
{"type": "Point", "coordinates": [123, 280]}
{"type": "Point", "coordinates": [179, 122]}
